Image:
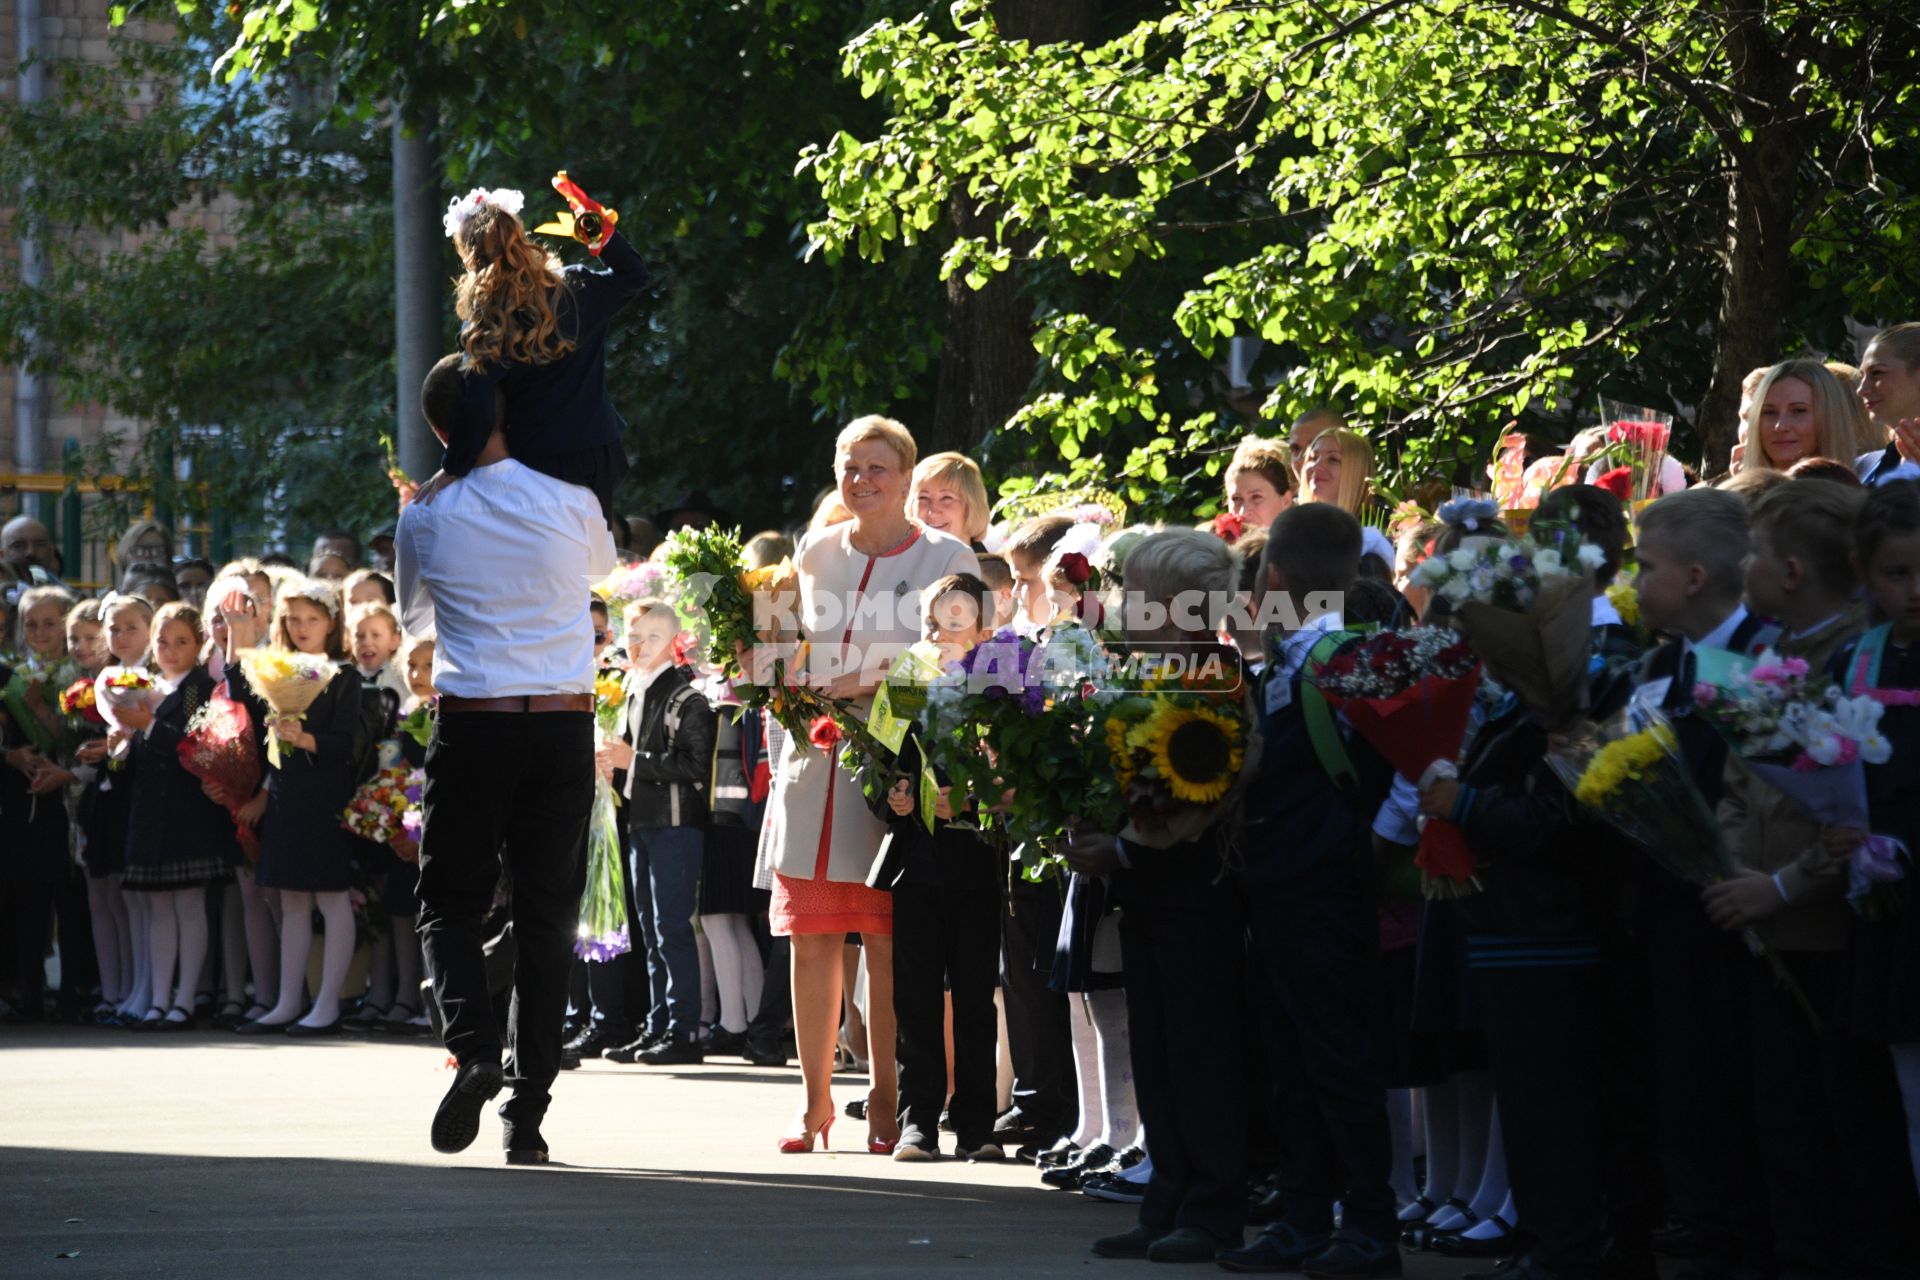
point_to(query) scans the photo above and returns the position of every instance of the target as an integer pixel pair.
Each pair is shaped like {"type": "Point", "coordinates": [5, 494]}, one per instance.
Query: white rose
{"type": "Point", "coordinates": [1456, 590]}
{"type": "Point", "coordinates": [1462, 559]}
{"type": "Point", "coordinates": [1546, 563]}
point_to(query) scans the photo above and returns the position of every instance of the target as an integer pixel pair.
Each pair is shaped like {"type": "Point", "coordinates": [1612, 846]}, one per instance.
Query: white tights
{"type": "Point", "coordinates": [737, 969]}
{"type": "Point", "coordinates": [263, 952]}
{"type": "Point", "coordinates": [1102, 1063]}
{"type": "Point", "coordinates": [139, 997]}
{"type": "Point", "coordinates": [112, 937]}
{"type": "Point", "coordinates": [178, 932]}
{"type": "Point", "coordinates": [296, 942]}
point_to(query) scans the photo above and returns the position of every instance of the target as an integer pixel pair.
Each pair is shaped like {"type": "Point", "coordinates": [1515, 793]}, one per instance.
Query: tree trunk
{"type": "Point", "coordinates": [1762, 195]}
{"type": "Point", "coordinates": [987, 357]}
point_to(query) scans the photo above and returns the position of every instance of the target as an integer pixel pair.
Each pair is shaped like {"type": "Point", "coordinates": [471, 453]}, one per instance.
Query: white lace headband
{"type": "Point", "coordinates": [458, 211]}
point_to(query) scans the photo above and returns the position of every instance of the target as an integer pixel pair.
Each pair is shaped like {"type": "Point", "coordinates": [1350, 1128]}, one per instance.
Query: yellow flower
{"type": "Point", "coordinates": [1625, 598]}
{"type": "Point", "coordinates": [607, 690]}
{"type": "Point", "coordinates": [1196, 751]}
{"type": "Point", "coordinates": [1624, 759]}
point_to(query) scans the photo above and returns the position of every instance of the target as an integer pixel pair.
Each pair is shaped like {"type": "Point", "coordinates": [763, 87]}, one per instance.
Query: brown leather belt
{"type": "Point", "coordinates": [521, 704]}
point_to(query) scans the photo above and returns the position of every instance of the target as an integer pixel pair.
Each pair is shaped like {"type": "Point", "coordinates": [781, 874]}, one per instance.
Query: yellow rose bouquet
{"type": "Point", "coordinates": [288, 682]}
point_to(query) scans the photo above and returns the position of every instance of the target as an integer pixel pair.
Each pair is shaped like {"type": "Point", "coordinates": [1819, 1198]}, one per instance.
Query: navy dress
{"type": "Point", "coordinates": [1881, 997]}
{"type": "Point", "coordinates": [177, 838]}
{"type": "Point", "coordinates": [303, 847]}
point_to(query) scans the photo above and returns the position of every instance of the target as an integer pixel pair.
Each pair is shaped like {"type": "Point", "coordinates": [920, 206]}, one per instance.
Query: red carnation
{"type": "Point", "coordinates": [1075, 568]}
{"type": "Point", "coordinates": [824, 733]}
{"type": "Point", "coordinates": [1618, 482]}
{"type": "Point", "coordinates": [1228, 526]}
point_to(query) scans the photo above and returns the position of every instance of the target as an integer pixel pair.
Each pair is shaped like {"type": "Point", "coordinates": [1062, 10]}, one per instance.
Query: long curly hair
{"type": "Point", "coordinates": [505, 299]}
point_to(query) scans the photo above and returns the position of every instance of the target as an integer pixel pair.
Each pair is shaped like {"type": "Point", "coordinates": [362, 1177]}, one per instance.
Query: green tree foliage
{"type": "Point", "coordinates": [261, 358]}
{"type": "Point", "coordinates": [1438, 216]}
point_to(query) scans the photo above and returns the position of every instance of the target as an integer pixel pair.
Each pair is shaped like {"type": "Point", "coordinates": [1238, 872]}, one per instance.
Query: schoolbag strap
{"type": "Point", "coordinates": [1323, 732]}
{"type": "Point", "coordinates": [1864, 672]}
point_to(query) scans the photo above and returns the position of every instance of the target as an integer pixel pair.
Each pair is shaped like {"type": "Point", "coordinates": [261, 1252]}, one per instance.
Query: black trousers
{"type": "Point", "coordinates": [1039, 1037]}
{"type": "Point", "coordinates": [776, 994]}
{"type": "Point", "coordinates": [946, 941]}
{"type": "Point", "coordinates": [1704, 1136]}
{"type": "Point", "coordinates": [1315, 950]}
{"type": "Point", "coordinates": [1832, 1133]}
{"type": "Point", "coordinates": [518, 786]}
{"type": "Point", "coordinates": [1574, 1095]}
{"type": "Point", "coordinates": [32, 928]}
{"type": "Point", "coordinates": [1183, 946]}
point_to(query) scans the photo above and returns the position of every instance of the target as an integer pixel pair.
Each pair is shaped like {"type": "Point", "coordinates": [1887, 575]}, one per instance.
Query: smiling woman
{"type": "Point", "coordinates": [1800, 410]}
{"type": "Point", "coordinates": [853, 577]}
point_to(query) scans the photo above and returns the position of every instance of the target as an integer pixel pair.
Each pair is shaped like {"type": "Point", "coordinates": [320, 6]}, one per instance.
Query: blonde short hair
{"type": "Point", "coordinates": [961, 474]}
{"type": "Point", "coordinates": [359, 613]}
{"type": "Point", "coordinates": [1165, 564]}
{"type": "Point", "coordinates": [1839, 419]}
{"type": "Point", "coordinates": [885, 430]}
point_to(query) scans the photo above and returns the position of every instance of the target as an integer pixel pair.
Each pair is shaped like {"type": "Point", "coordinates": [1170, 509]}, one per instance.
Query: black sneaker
{"type": "Point", "coordinates": [916, 1144]}
{"type": "Point", "coordinates": [1351, 1255]}
{"type": "Point", "coordinates": [1016, 1128]}
{"type": "Point", "coordinates": [1128, 1244]}
{"type": "Point", "coordinates": [596, 1040]}
{"type": "Point", "coordinates": [672, 1051]}
{"type": "Point", "coordinates": [457, 1123]}
{"type": "Point", "coordinates": [726, 1044]}
{"type": "Point", "coordinates": [1188, 1244]}
{"type": "Point", "coordinates": [631, 1051]}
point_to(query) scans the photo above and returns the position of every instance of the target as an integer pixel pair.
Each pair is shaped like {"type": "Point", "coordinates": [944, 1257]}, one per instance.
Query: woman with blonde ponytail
{"type": "Point", "coordinates": [533, 334]}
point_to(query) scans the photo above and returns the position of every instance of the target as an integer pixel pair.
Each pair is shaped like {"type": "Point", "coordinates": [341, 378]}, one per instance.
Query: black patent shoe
{"type": "Point", "coordinates": [1070, 1175]}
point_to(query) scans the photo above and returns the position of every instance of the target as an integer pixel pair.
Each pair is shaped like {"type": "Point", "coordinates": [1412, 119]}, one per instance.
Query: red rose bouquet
{"type": "Point", "coordinates": [1410, 695]}
{"type": "Point", "coordinates": [219, 749]}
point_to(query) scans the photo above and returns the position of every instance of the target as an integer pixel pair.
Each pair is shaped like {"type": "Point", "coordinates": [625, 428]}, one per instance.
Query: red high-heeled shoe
{"type": "Point", "coordinates": [882, 1146]}
{"type": "Point", "coordinates": [802, 1143]}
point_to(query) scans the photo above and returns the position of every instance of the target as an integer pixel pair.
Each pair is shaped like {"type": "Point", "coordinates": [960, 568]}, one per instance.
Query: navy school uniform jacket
{"type": "Point", "coordinates": [1704, 750]}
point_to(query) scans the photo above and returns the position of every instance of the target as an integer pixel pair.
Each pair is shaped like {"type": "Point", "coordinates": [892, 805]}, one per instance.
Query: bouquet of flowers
{"type": "Point", "coordinates": [1177, 749]}
{"type": "Point", "coordinates": [1023, 729]}
{"type": "Point", "coordinates": [1410, 694]}
{"type": "Point", "coordinates": [117, 688]}
{"type": "Point", "coordinates": [1632, 461]}
{"type": "Point", "coordinates": [1629, 772]}
{"type": "Point", "coordinates": [869, 749]}
{"type": "Point", "coordinates": [1795, 730]}
{"type": "Point", "coordinates": [32, 695]}
{"type": "Point", "coordinates": [633, 582]}
{"type": "Point", "coordinates": [1525, 605]}
{"type": "Point", "coordinates": [418, 724]}
{"type": "Point", "coordinates": [724, 607]}
{"type": "Point", "coordinates": [386, 809]}
{"type": "Point", "coordinates": [78, 703]}
{"type": "Point", "coordinates": [219, 750]}
{"type": "Point", "coordinates": [289, 683]}
{"type": "Point", "coordinates": [603, 933]}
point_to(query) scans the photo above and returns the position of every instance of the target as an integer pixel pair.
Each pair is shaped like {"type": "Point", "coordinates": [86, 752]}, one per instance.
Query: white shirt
{"type": "Point", "coordinates": [499, 568]}
{"type": "Point", "coordinates": [1604, 614]}
{"type": "Point", "coordinates": [1721, 637]}
{"type": "Point", "coordinates": [637, 683]}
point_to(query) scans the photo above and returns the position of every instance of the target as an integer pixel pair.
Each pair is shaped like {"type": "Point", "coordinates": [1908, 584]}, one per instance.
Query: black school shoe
{"type": "Point", "coordinates": [1070, 1175]}
{"type": "Point", "coordinates": [1188, 1244]}
{"type": "Point", "coordinates": [1278, 1248]}
{"type": "Point", "coordinates": [457, 1123]}
{"type": "Point", "coordinates": [1353, 1256]}
{"type": "Point", "coordinates": [1128, 1244]}
{"type": "Point", "coordinates": [764, 1053]}
{"type": "Point", "coordinates": [1114, 1189]}
{"type": "Point", "coordinates": [523, 1143]}
{"type": "Point", "coordinates": [631, 1052]}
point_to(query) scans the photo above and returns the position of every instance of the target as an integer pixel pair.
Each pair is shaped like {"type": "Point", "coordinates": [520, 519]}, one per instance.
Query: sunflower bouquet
{"type": "Point", "coordinates": [1177, 747]}
{"type": "Point", "coordinates": [1022, 727]}
{"type": "Point", "coordinates": [1411, 694]}
{"type": "Point", "coordinates": [289, 683]}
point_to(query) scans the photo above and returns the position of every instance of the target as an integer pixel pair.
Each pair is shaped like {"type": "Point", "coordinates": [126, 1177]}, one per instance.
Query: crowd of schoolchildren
{"type": "Point", "coordinates": [1583, 1065]}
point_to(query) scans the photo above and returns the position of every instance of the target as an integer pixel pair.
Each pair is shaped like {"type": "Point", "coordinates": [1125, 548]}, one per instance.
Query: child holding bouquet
{"type": "Point", "coordinates": [178, 839]}
{"type": "Point", "coordinates": [946, 916]}
{"type": "Point", "coordinates": [1827, 1106]}
{"type": "Point", "coordinates": [129, 628]}
{"type": "Point", "coordinates": [306, 857]}
{"type": "Point", "coordinates": [1881, 1001]}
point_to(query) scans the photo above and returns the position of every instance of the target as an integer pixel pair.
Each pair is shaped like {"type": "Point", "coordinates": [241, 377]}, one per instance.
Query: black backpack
{"type": "Point", "coordinates": [379, 714]}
